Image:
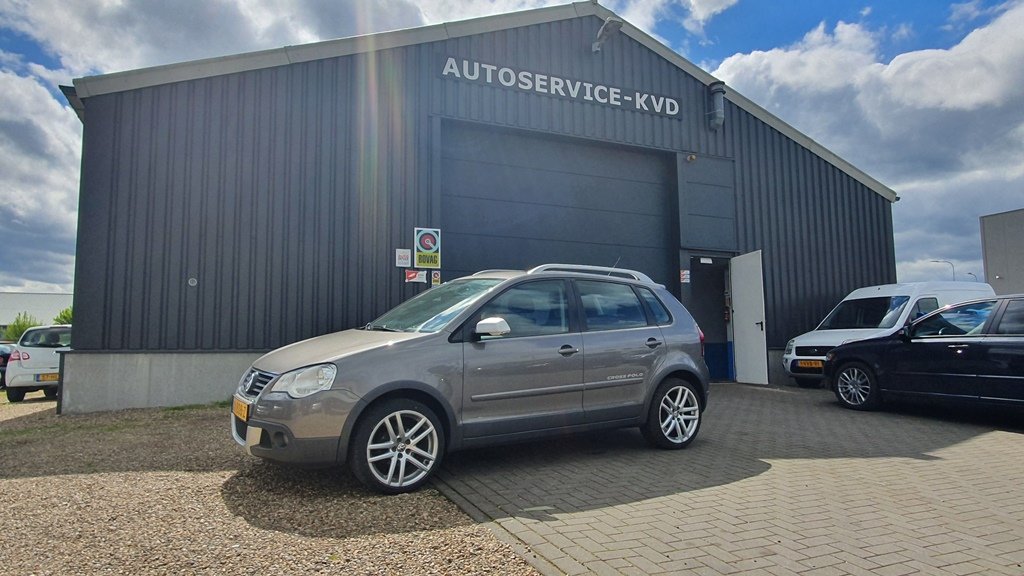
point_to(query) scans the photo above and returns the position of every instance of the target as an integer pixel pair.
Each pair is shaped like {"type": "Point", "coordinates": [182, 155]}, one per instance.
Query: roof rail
{"type": "Point", "coordinates": [622, 272]}
{"type": "Point", "coordinates": [493, 270]}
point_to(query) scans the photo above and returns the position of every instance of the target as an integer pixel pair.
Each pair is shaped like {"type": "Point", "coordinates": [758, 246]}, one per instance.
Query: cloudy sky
{"type": "Point", "coordinates": [927, 96]}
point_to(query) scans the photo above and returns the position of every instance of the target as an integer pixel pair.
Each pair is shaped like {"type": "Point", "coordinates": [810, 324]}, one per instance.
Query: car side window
{"type": "Point", "coordinates": [924, 306]}
{"type": "Point", "coordinates": [965, 319]}
{"type": "Point", "coordinates": [531, 309]}
{"type": "Point", "coordinates": [1013, 319]}
{"type": "Point", "coordinates": [661, 314]}
{"type": "Point", "coordinates": [610, 306]}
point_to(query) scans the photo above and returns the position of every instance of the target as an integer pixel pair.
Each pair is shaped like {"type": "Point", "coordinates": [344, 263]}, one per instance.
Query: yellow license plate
{"type": "Point", "coordinates": [809, 364]}
{"type": "Point", "coordinates": [240, 409]}
{"type": "Point", "coordinates": [52, 377]}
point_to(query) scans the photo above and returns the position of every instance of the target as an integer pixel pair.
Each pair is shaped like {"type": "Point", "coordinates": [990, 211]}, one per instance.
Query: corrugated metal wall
{"type": "Point", "coordinates": [283, 192]}
{"type": "Point", "coordinates": [822, 233]}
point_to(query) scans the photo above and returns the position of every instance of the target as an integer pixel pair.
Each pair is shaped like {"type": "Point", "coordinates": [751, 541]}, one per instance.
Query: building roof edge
{"type": "Point", "coordinates": [218, 66]}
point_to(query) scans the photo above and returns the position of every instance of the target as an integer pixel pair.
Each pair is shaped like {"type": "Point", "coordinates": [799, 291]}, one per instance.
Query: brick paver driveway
{"type": "Point", "coordinates": [780, 481]}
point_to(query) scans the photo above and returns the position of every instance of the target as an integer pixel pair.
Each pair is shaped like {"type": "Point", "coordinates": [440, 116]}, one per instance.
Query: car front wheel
{"type": "Point", "coordinates": [397, 446]}
{"type": "Point", "coordinates": [674, 416]}
{"type": "Point", "coordinates": [855, 387]}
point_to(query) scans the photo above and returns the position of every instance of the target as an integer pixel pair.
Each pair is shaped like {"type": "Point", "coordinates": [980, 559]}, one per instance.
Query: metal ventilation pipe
{"type": "Point", "coordinates": [716, 116]}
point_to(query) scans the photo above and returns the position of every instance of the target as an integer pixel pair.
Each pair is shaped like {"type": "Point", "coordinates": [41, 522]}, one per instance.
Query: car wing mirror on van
{"type": "Point", "coordinates": [492, 327]}
{"type": "Point", "coordinates": [907, 332]}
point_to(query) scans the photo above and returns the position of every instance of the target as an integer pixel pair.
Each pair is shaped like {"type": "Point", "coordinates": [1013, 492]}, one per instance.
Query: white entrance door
{"type": "Point", "coordinates": [749, 341]}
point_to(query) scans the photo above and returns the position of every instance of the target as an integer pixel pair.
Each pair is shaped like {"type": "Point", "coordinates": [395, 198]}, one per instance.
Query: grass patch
{"type": "Point", "coordinates": [189, 407]}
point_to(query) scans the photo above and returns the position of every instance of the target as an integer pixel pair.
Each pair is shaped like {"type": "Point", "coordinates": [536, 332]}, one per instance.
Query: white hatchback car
{"type": "Point", "coordinates": [35, 362]}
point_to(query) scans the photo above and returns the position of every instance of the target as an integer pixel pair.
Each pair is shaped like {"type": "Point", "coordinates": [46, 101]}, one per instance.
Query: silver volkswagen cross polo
{"type": "Point", "coordinates": [499, 356]}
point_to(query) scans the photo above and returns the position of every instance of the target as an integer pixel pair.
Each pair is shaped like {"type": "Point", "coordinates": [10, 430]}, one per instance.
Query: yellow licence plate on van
{"type": "Point", "coordinates": [240, 409]}
{"type": "Point", "coordinates": [51, 377]}
{"type": "Point", "coordinates": [809, 364]}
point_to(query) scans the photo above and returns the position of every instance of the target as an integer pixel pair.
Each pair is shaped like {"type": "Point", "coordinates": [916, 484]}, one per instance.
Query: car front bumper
{"type": "Point", "coordinates": [813, 366]}
{"type": "Point", "coordinates": [304, 431]}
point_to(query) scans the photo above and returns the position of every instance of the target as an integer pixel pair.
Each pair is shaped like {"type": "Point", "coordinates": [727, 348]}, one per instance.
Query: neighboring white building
{"type": "Point", "coordinates": [44, 307]}
{"type": "Point", "coordinates": [1002, 245]}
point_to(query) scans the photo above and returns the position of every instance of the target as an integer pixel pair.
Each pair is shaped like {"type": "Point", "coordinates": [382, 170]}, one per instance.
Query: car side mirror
{"type": "Point", "coordinates": [907, 333]}
{"type": "Point", "coordinates": [492, 327]}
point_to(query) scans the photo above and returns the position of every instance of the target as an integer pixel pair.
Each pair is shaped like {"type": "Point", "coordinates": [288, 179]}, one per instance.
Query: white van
{"type": "Point", "coordinates": [869, 313]}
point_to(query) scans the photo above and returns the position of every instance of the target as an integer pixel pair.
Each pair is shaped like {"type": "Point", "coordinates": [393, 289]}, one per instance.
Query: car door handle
{"type": "Point", "coordinates": [567, 350]}
{"type": "Point", "coordinates": [653, 342]}
{"type": "Point", "coordinates": [959, 346]}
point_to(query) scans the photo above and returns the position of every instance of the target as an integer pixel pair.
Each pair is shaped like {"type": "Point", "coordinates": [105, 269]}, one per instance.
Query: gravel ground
{"type": "Point", "coordinates": [168, 492]}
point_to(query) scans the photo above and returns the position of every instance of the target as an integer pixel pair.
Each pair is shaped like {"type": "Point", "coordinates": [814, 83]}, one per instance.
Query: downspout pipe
{"type": "Point", "coordinates": [716, 116]}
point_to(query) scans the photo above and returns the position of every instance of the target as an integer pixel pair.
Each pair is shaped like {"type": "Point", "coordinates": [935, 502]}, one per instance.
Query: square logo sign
{"type": "Point", "coordinates": [428, 248]}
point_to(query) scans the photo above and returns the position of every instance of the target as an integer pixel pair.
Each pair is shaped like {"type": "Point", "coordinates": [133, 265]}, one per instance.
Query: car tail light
{"type": "Point", "coordinates": [19, 355]}
{"type": "Point", "coordinates": [701, 332]}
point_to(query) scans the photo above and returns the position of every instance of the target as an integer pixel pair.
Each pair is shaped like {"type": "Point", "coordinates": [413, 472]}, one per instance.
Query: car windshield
{"type": "Point", "coordinates": [47, 337]}
{"type": "Point", "coordinates": [433, 309]}
{"type": "Point", "coordinates": [879, 312]}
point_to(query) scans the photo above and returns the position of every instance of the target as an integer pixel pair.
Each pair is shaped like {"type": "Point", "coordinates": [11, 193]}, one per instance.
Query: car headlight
{"type": "Point", "coordinates": [789, 347]}
{"type": "Point", "coordinates": [306, 381]}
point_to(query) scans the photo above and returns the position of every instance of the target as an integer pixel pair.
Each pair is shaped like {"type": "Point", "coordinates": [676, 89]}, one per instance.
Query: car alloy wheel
{"type": "Point", "coordinates": [855, 387]}
{"type": "Point", "coordinates": [398, 446]}
{"type": "Point", "coordinates": [674, 417]}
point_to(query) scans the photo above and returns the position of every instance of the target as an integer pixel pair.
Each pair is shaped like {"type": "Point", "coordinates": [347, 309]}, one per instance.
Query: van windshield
{"type": "Point", "coordinates": [431, 310]}
{"type": "Point", "coordinates": [879, 312]}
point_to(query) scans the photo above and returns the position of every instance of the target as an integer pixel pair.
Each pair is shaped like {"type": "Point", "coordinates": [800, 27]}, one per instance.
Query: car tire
{"type": "Point", "coordinates": [15, 395]}
{"type": "Point", "coordinates": [50, 393]}
{"type": "Point", "coordinates": [808, 383]}
{"type": "Point", "coordinates": [673, 418]}
{"type": "Point", "coordinates": [855, 387]}
{"type": "Point", "coordinates": [398, 444]}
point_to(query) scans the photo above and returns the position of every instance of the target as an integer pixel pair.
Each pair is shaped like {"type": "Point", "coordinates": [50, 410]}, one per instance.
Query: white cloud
{"type": "Point", "coordinates": [701, 11]}
{"type": "Point", "coordinates": [40, 147]}
{"type": "Point", "coordinates": [903, 32]}
{"type": "Point", "coordinates": [965, 11]}
{"type": "Point", "coordinates": [944, 128]}
{"type": "Point", "coordinates": [91, 36]}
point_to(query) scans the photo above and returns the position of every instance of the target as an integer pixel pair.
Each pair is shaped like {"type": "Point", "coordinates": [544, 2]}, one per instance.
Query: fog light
{"type": "Point", "coordinates": [279, 440]}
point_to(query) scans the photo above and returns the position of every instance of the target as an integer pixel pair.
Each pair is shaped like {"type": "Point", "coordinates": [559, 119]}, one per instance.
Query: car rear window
{"type": "Point", "coordinates": [46, 337]}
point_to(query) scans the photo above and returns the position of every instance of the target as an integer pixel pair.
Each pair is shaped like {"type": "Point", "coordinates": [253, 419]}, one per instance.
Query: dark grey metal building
{"type": "Point", "coordinates": [233, 205]}
{"type": "Point", "coordinates": [1002, 246]}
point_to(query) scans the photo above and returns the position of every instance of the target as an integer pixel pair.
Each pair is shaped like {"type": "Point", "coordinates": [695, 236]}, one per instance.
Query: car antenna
{"type": "Point", "coordinates": [615, 265]}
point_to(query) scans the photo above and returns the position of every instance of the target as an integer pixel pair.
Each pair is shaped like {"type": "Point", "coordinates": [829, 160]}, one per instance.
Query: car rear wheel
{"type": "Point", "coordinates": [397, 446]}
{"type": "Point", "coordinates": [15, 395]}
{"type": "Point", "coordinates": [50, 393]}
{"type": "Point", "coordinates": [674, 415]}
{"type": "Point", "coordinates": [855, 387]}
